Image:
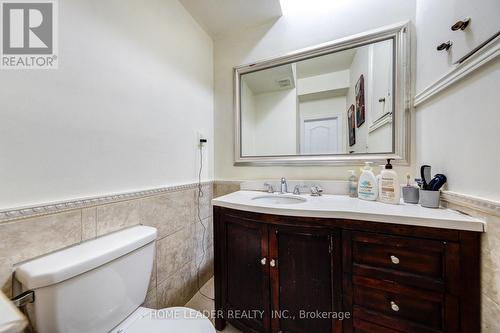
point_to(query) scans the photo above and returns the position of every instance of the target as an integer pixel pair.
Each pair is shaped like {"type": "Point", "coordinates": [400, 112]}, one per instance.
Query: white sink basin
{"type": "Point", "coordinates": [279, 199]}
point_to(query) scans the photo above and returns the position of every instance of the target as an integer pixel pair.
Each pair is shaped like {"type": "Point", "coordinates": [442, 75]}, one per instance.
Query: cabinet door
{"type": "Point", "coordinates": [433, 28]}
{"type": "Point", "coordinates": [484, 25]}
{"type": "Point", "coordinates": [303, 283]}
{"type": "Point", "coordinates": [245, 272]}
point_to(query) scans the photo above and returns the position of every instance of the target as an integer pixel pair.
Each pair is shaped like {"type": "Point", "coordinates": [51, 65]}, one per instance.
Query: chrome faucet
{"type": "Point", "coordinates": [284, 186]}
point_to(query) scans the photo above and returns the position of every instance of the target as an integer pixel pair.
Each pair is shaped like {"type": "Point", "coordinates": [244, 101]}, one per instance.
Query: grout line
{"type": "Point", "coordinates": [491, 299]}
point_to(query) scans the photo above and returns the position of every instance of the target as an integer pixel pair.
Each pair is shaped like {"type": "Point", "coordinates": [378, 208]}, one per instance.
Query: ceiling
{"type": "Point", "coordinates": [329, 63]}
{"type": "Point", "coordinates": [267, 80]}
{"type": "Point", "coordinates": [222, 16]}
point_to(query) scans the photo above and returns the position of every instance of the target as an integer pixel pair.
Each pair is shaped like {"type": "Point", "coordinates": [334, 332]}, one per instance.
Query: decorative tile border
{"type": "Point", "coordinates": [61, 206]}
{"type": "Point", "coordinates": [479, 204]}
{"type": "Point", "coordinates": [489, 207]}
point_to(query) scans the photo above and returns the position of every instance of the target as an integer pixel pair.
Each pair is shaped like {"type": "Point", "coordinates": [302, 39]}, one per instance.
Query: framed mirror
{"type": "Point", "coordinates": [342, 102]}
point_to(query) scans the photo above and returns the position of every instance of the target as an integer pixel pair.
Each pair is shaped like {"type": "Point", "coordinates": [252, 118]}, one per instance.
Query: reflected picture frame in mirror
{"type": "Point", "coordinates": [399, 118]}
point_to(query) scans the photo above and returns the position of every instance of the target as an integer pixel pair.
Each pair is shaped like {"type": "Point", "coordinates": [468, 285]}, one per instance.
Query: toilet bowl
{"type": "Point", "coordinates": [99, 286]}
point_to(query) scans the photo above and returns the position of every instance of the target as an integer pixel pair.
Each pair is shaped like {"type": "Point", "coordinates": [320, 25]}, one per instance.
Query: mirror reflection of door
{"type": "Point", "coordinates": [320, 135]}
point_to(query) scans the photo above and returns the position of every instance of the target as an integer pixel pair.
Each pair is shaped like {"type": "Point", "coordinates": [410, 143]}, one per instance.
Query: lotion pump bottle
{"type": "Point", "coordinates": [389, 188]}
{"type": "Point", "coordinates": [367, 186]}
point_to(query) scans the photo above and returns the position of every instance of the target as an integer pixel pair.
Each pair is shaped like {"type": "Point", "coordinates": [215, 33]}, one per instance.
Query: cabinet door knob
{"type": "Point", "coordinates": [272, 263]}
{"type": "Point", "coordinates": [381, 99]}
{"type": "Point", "coordinates": [444, 46]}
{"type": "Point", "coordinates": [394, 306]}
{"type": "Point", "coordinates": [395, 260]}
{"type": "Point", "coordinates": [263, 261]}
{"type": "Point", "coordinates": [461, 25]}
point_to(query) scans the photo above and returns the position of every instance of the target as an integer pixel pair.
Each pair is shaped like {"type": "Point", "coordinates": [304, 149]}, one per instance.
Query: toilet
{"type": "Point", "coordinates": [99, 286]}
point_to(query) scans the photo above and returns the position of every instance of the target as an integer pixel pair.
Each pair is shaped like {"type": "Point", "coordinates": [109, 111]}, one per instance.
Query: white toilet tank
{"type": "Point", "coordinates": [93, 286]}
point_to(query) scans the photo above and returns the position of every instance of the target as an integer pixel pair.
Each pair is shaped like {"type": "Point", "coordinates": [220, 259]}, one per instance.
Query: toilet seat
{"type": "Point", "coordinates": [168, 320]}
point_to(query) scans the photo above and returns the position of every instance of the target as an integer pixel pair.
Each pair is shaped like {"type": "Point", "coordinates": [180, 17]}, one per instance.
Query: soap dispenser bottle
{"type": "Point", "coordinates": [389, 188]}
{"type": "Point", "coordinates": [367, 186]}
{"type": "Point", "coordinates": [353, 184]}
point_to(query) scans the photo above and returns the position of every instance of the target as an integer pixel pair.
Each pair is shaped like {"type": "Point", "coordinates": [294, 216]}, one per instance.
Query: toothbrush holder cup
{"type": "Point", "coordinates": [429, 199]}
{"type": "Point", "coordinates": [410, 194]}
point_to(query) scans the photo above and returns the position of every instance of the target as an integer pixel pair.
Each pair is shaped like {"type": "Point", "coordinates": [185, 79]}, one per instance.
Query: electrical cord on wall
{"type": "Point", "coordinates": [200, 220]}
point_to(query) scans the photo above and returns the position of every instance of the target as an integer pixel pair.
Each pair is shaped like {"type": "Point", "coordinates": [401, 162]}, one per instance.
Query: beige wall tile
{"type": "Point", "coordinates": [178, 288]}
{"type": "Point", "coordinates": [490, 269]}
{"type": "Point", "coordinates": [117, 216]}
{"type": "Point", "coordinates": [26, 239]}
{"type": "Point", "coordinates": [168, 212]}
{"type": "Point", "coordinates": [175, 251]}
{"type": "Point", "coordinates": [223, 189]}
{"type": "Point", "coordinates": [490, 261]}
{"type": "Point", "coordinates": [209, 235]}
{"type": "Point", "coordinates": [490, 313]}
{"type": "Point", "coordinates": [205, 264]}
{"type": "Point", "coordinates": [205, 201]}
{"type": "Point", "coordinates": [151, 301]}
{"type": "Point", "coordinates": [89, 223]}
{"type": "Point", "coordinates": [152, 280]}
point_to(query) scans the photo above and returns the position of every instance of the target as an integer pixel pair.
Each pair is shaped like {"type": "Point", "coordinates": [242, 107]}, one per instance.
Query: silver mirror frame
{"type": "Point", "coordinates": [400, 33]}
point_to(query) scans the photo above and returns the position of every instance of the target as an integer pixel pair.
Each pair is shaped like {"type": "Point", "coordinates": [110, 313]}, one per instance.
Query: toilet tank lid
{"type": "Point", "coordinates": [70, 262]}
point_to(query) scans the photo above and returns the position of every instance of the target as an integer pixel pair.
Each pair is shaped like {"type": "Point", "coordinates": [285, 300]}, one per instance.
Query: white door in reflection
{"type": "Point", "coordinates": [320, 135]}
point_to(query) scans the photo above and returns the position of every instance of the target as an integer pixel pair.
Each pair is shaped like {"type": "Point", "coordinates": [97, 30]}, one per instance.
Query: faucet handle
{"type": "Point", "coordinates": [269, 187]}
{"type": "Point", "coordinates": [316, 191]}
{"type": "Point", "coordinates": [296, 189]}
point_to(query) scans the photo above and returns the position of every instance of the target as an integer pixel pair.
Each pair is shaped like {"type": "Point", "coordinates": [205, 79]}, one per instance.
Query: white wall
{"type": "Point", "coordinates": [135, 81]}
{"type": "Point", "coordinates": [248, 118]}
{"type": "Point", "coordinates": [360, 66]}
{"type": "Point", "coordinates": [304, 23]}
{"type": "Point", "coordinates": [458, 134]}
{"type": "Point", "coordinates": [323, 82]}
{"type": "Point", "coordinates": [276, 123]}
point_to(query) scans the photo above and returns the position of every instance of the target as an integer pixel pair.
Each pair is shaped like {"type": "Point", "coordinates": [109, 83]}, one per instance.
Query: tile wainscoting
{"type": "Point", "coordinates": [172, 210]}
{"type": "Point", "coordinates": [490, 253]}
{"type": "Point", "coordinates": [223, 187]}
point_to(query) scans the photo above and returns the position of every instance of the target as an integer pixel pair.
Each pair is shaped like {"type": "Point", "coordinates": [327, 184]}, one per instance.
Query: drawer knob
{"type": "Point", "coordinates": [394, 306]}
{"type": "Point", "coordinates": [395, 260]}
{"type": "Point", "coordinates": [272, 263]}
{"type": "Point", "coordinates": [263, 261]}
{"type": "Point", "coordinates": [444, 46]}
{"type": "Point", "coordinates": [461, 25]}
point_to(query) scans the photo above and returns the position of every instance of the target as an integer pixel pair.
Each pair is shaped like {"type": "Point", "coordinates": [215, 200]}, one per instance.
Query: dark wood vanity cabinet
{"type": "Point", "coordinates": [283, 274]}
{"type": "Point", "coordinates": [303, 277]}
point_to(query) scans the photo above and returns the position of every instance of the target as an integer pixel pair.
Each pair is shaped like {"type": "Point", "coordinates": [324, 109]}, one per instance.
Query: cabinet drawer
{"type": "Point", "coordinates": [399, 254]}
{"type": "Point", "coordinates": [417, 307]}
{"type": "Point", "coordinates": [361, 326]}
